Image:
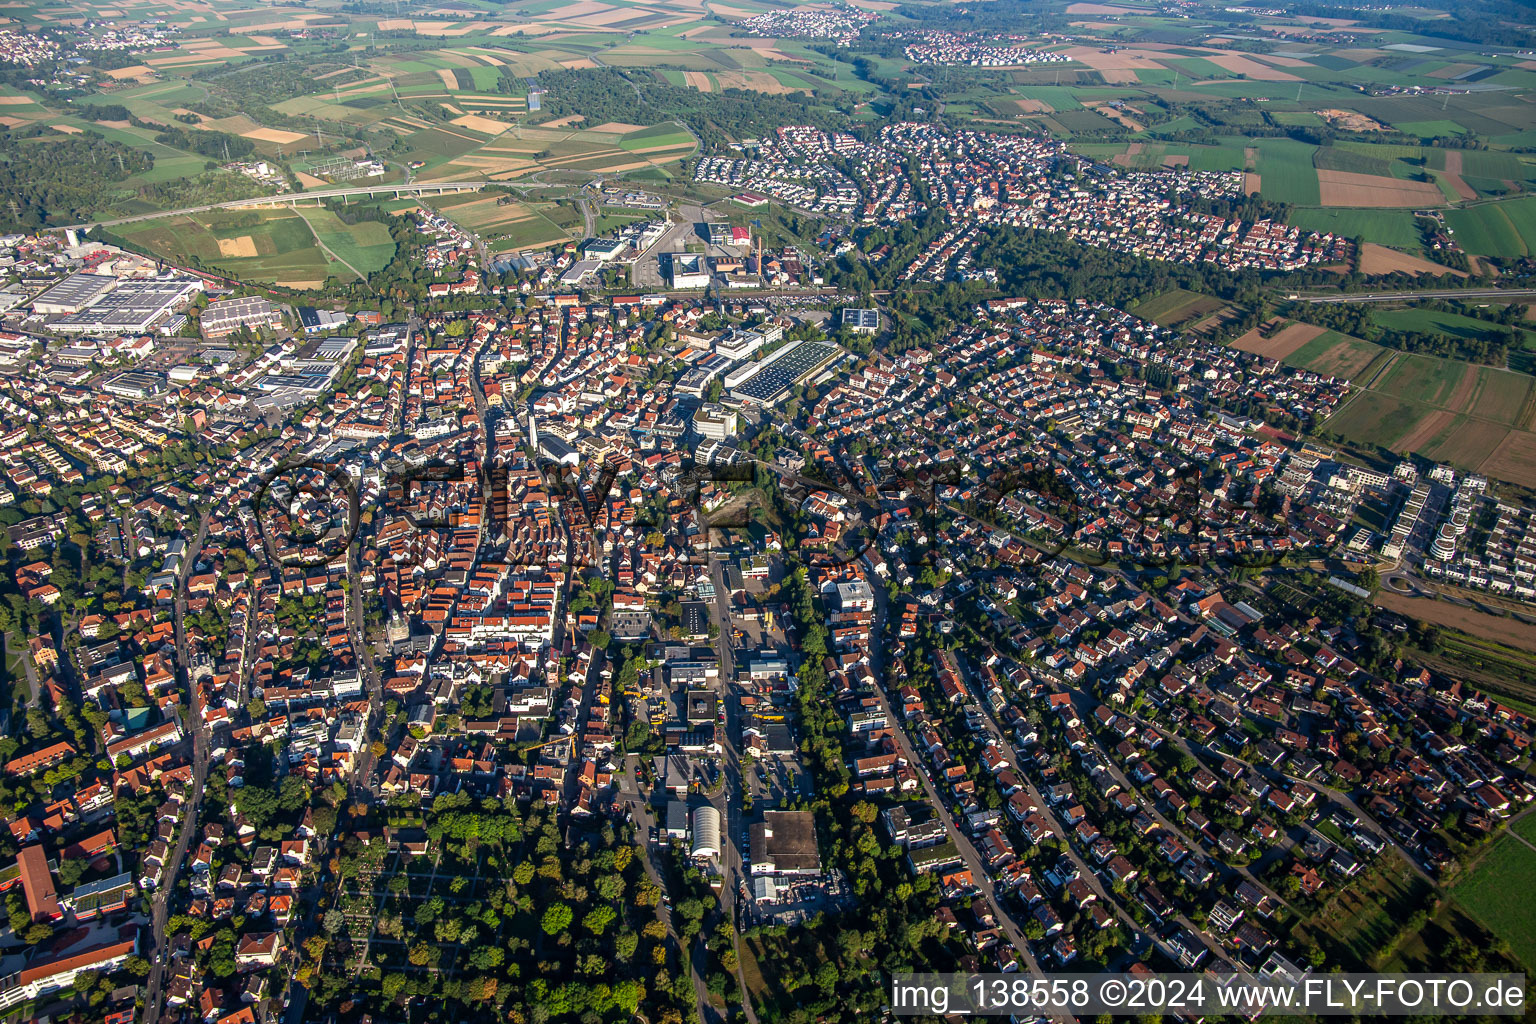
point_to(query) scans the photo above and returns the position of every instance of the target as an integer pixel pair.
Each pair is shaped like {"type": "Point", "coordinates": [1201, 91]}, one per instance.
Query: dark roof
{"type": "Point", "coordinates": [787, 840]}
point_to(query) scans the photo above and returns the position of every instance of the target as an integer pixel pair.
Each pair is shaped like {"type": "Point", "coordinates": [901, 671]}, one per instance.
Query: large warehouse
{"type": "Point", "coordinates": [768, 381]}
{"type": "Point", "coordinates": [226, 316]}
{"type": "Point", "coordinates": [134, 307]}
{"type": "Point", "coordinates": [784, 843]}
{"type": "Point", "coordinates": [74, 293]}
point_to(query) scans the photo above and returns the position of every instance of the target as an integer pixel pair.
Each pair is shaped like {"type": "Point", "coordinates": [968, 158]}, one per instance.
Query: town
{"type": "Point", "coordinates": [1018, 181]}
{"type": "Point", "coordinates": [953, 488]}
{"type": "Point", "coordinates": [304, 586]}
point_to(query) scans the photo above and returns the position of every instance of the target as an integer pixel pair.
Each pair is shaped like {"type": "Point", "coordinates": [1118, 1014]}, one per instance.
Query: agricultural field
{"type": "Point", "coordinates": [1474, 417]}
{"type": "Point", "coordinates": [268, 246]}
{"type": "Point", "coordinates": [1497, 892]}
{"type": "Point", "coordinates": [466, 154]}
{"type": "Point", "coordinates": [1176, 307]}
{"type": "Point", "coordinates": [1339, 355]}
{"type": "Point", "coordinates": [1387, 227]}
{"type": "Point", "coordinates": [1496, 229]}
{"type": "Point", "coordinates": [457, 97]}
{"type": "Point", "coordinates": [1276, 339]}
{"type": "Point", "coordinates": [508, 226]}
{"type": "Point", "coordinates": [454, 98]}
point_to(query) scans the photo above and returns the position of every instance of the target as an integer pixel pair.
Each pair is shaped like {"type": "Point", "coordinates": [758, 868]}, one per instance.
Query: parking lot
{"type": "Point", "coordinates": [777, 779]}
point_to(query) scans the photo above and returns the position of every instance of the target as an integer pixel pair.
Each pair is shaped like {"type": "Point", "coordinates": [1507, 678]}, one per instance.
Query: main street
{"type": "Point", "coordinates": [160, 958]}
{"type": "Point", "coordinates": [733, 822]}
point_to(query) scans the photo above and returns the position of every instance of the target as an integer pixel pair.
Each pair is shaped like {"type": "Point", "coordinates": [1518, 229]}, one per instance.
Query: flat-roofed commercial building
{"type": "Point", "coordinates": [73, 294]}
{"type": "Point", "coordinates": [688, 271]}
{"type": "Point", "coordinates": [784, 843]}
{"type": "Point", "coordinates": [134, 307]}
{"type": "Point", "coordinates": [133, 384]}
{"type": "Point", "coordinates": [714, 421]}
{"type": "Point", "coordinates": [226, 316]}
{"type": "Point", "coordinates": [862, 321]}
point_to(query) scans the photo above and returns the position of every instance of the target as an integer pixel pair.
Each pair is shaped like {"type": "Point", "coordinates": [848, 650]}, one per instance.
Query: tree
{"type": "Point", "coordinates": [557, 919]}
{"type": "Point", "coordinates": [598, 920]}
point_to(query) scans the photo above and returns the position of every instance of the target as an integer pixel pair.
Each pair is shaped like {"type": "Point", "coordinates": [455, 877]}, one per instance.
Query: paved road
{"type": "Point", "coordinates": [160, 957]}
{"type": "Point", "coordinates": [25, 656]}
{"type": "Point", "coordinates": [640, 811]}
{"type": "Point", "coordinates": [1445, 293]}
{"type": "Point", "coordinates": [733, 820]}
{"type": "Point", "coordinates": [589, 222]}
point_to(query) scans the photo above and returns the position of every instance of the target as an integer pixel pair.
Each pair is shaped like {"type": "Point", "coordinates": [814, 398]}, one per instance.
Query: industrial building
{"type": "Point", "coordinates": [767, 381]}
{"type": "Point", "coordinates": [576, 275]}
{"type": "Point", "coordinates": [226, 316]}
{"type": "Point", "coordinates": [725, 234]}
{"type": "Point", "coordinates": [136, 385]}
{"type": "Point", "coordinates": [316, 320]}
{"type": "Point", "coordinates": [784, 843]}
{"type": "Point", "coordinates": [133, 307]}
{"type": "Point", "coordinates": [604, 250]}
{"type": "Point", "coordinates": [73, 294]}
{"type": "Point", "coordinates": [688, 271]}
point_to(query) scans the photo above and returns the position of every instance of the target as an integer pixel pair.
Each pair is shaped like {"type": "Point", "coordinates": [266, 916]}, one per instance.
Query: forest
{"type": "Point", "coordinates": [51, 180]}
{"type": "Point", "coordinates": [609, 94]}
{"type": "Point", "coordinates": [212, 144]}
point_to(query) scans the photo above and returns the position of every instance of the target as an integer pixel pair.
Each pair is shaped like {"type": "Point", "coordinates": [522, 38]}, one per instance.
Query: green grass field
{"type": "Point", "coordinates": [366, 246]}
{"type": "Point", "coordinates": [267, 246]}
{"type": "Point", "coordinates": [1355, 925]}
{"type": "Point", "coordinates": [1175, 307]}
{"type": "Point", "coordinates": [1425, 379]}
{"type": "Point", "coordinates": [1485, 231]}
{"type": "Point", "coordinates": [654, 136]}
{"type": "Point", "coordinates": [1436, 321]}
{"type": "Point", "coordinates": [1333, 158]}
{"type": "Point", "coordinates": [1499, 894]}
{"type": "Point", "coordinates": [1286, 172]}
{"type": "Point", "coordinates": [1496, 229]}
{"type": "Point", "coordinates": [1385, 227]}
{"type": "Point", "coordinates": [1372, 417]}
